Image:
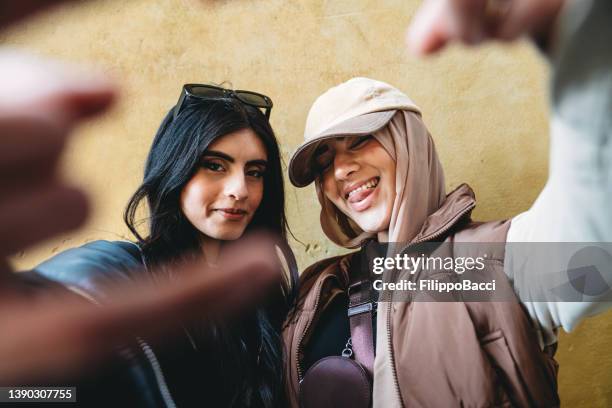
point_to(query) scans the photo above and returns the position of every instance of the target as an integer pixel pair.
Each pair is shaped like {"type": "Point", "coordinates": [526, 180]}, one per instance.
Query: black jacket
{"type": "Point", "coordinates": [135, 378]}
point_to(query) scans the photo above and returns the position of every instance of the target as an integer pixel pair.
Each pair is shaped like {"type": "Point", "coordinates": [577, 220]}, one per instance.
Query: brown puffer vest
{"type": "Point", "coordinates": [439, 354]}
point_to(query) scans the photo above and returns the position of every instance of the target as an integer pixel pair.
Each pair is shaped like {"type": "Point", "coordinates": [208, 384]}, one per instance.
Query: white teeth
{"type": "Point", "coordinates": [370, 184]}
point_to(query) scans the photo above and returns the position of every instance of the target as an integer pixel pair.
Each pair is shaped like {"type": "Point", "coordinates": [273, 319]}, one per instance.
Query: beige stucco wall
{"type": "Point", "coordinates": [486, 109]}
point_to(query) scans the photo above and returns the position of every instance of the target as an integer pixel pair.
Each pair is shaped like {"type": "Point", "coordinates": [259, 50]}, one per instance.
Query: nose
{"type": "Point", "coordinates": [236, 186]}
{"type": "Point", "coordinates": [344, 165]}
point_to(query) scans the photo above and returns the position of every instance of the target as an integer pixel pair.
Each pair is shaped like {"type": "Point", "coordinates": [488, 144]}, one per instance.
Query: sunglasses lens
{"type": "Point", "coordinates": [214, 92]}
{"type": "Point", "coordinates": [253, 99]}
{"type": "Point", "coordinates": [205, 91]}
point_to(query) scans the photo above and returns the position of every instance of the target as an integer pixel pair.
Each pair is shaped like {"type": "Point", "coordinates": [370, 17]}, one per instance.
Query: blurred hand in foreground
{"type": "Point", "coordinates": [52, 336]}
{"type": "Point", "coordinates": [439, 22]}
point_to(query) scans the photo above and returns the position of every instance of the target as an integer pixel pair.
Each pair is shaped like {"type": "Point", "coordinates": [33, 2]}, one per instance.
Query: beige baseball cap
{"type": "Point", "coordinates": [357, 107]}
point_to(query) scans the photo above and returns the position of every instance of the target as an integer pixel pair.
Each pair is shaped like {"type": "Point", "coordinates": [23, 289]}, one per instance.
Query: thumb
{"type": "Point", "coordinates": [51, 90]}
{"type": "Point", "coordinates": [428, 31]}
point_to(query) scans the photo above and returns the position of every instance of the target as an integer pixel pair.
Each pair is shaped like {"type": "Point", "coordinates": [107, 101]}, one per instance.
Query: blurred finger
{"type": "Point", "coordinates": [12, 11]}
{"type": "Point", "coordinates": [5, 269]}
{"type": "Point", "coordinates": [38, 214]}
{"type": "Point", "coordinates": [52, 91]}
{"type": "Point", "coordinates": [56, 337]}
{"type": "Point", "coordinates": [528, 17]}
{"type": "Point", "coordinates": [427, 32]}
{"type": "Point", "coordinates": [439, 22]}
{"type": "Point", "coordinates": [253, 248]}
{"type": "Point", "coordinates": [16, 180]}
{"type": "Point", "coordinates": [496, 16]}
{"type": "Point", "coordinates": [75, 103]}
{"type": "Point", "coordinates": [26, 141]}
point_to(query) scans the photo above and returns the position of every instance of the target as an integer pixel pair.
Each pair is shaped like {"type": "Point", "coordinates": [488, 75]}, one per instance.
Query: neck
{"type": "Point", "coordinates": [383, 236]}
{"type": "Point", "coordinates": [210, 248]}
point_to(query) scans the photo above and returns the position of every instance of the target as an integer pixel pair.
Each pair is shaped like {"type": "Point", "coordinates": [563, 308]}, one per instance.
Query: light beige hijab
{"type": "Point", "coordinates": [419, 188]}
{"type": "Point", "coordinates": [419, 184]}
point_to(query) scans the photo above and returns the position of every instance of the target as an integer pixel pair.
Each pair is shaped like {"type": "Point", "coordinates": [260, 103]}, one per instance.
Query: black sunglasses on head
{"type": "Point", "coordinates": [200, 91]}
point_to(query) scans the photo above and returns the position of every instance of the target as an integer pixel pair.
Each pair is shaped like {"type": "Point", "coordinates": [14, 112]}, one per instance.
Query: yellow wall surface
{"type": "Point", "coordinates": [486, 109]}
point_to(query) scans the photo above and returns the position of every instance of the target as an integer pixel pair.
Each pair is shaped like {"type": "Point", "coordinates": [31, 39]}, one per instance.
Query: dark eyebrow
{"type": "Point", "coordinates": [226, 157]}
{"type": "Point", "coordinates": [220, 155]}
{"type": "Point", "coordinates": [258, 162]}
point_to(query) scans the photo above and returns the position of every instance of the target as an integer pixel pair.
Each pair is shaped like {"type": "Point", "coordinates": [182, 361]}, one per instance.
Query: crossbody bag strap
{"type": "Point", "coordinates": [360, 313]}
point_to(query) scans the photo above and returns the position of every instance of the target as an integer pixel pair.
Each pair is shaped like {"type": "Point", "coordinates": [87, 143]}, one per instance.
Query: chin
{"type": "Point", "coordinates": [372, 228]}
{"type": "Point", "coordinates": [231, 236]}
{"type": "Point", "coordinates": [227, 234]}
{"type": "Point", "coordinates": [371, 223]}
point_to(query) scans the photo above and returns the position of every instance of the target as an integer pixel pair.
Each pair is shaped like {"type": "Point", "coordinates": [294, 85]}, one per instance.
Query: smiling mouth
{"type": "Point", "coordinates": [368, 185]}
{"type": "Point", "coordinates": [232, 213]}
{"type": "Point", "coordinates": [232, 210]}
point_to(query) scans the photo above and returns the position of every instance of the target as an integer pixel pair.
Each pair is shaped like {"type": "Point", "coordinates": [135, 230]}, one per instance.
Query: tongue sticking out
{"type": "Point", "coordinates": [360, 195]}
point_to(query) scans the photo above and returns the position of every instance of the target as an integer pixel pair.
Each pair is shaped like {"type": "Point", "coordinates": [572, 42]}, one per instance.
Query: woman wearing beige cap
{"type": "Point", "coordinates": [378, 178]}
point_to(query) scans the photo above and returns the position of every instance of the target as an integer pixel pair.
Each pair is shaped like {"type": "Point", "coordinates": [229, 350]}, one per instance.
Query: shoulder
{"type": "Point", "coordinates": [334, 265]}
{"type": "Point", "coordinates": [91, 267]}
{"type": "Point", "coordinates": [337, 266]}
{"type": "Point", "coordinates": [487, 238]}
{"type": "Point", "coordinates": [474, 231]}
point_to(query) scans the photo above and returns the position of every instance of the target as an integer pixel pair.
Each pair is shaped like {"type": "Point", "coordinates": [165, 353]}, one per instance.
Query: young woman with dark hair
{"type": "Point", "coordinates": [213, 173]}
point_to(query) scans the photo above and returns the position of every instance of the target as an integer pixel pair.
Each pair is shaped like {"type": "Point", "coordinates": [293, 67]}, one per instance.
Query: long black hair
{"type": "Point", "coordinates": [250, 353]}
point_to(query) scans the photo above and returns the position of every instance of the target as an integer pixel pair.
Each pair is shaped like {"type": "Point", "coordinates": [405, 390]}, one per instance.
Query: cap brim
{"type": "Point", "coordinates": [300, 166]}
